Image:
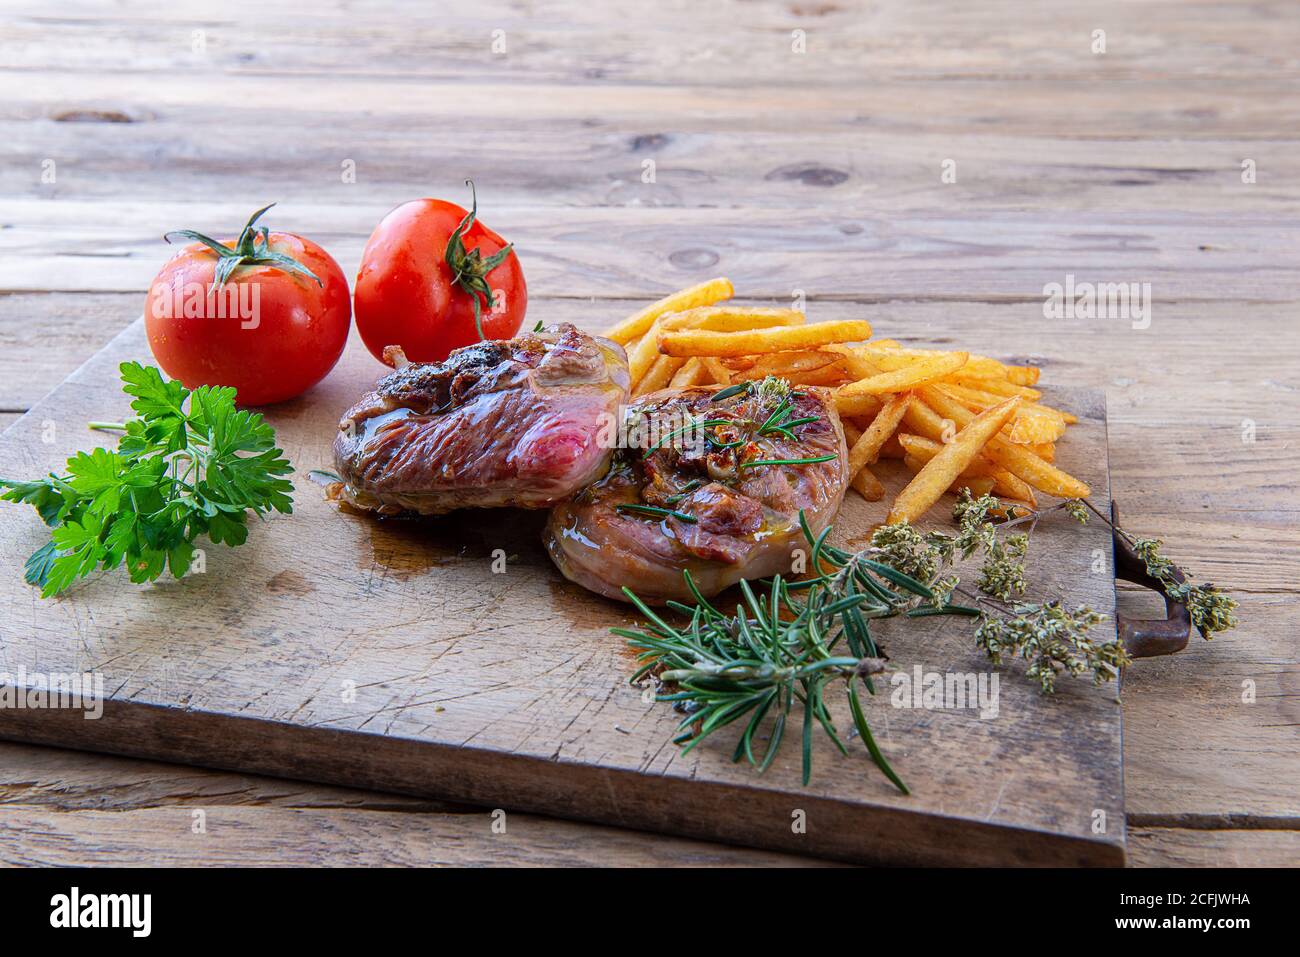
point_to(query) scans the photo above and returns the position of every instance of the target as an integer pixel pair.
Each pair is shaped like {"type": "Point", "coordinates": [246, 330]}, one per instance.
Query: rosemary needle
{"type": "Point", "coordinates": [819, 458]}
{"type": "Point", "coordinates": [655, 510]}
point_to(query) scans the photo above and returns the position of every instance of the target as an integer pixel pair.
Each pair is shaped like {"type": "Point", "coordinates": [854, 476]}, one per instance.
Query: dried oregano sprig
{"type": "Point", "coordinates": [1052, 640]}
{"type": "Point", "coordinates": [1210, 609]}
{"type": "Point", "coordinates": [1050, 637]}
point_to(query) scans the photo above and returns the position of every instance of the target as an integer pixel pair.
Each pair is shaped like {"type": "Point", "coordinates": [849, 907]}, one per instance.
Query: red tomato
{"type": "Point", "coordinates": [412, 292]}
{"type": "Point", "coordinates": [273, 329]}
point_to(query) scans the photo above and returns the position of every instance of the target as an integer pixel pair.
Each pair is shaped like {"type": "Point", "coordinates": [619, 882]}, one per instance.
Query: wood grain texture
{"type": "Point", "coordinates": [1074, 155]}
{"type": "Point", "coordinates": [482, 687]}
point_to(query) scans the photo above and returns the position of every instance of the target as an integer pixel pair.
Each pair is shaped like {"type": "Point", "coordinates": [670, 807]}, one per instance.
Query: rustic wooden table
{"type": "Point", "coordinates": [927, 164]}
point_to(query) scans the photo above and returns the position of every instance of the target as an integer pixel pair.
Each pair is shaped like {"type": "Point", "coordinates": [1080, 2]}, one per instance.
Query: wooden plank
{"type": "Point", "coordinates": [1182, 847]}
{"type": "Point", "coordinates": [1210, 734]}
{"type": "Point", "coordinates": [71, 245]}
{"type": "Point", "coordinates": [1172, 107]}
{"type": "Point", "coordinates": [474, 687]}
{"type": "Point", "coordinates": [601, 163]}
{"type": "Point", "coordinates": [621, 41]}
{"type": "Point", "coordinates": [48, 790]}
{"type": "Point", "coordinates": [298, 837]}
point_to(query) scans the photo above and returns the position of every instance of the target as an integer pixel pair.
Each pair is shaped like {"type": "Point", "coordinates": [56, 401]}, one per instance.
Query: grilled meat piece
{"type": "Point", "coordinates": [516, 422]}
{"type": "Point", "coordinates": [699, 500]}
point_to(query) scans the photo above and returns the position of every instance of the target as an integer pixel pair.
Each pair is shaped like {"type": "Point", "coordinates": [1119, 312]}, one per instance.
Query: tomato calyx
{"type": "Point", "coordinates": [468, 267]}
{"type": "Point", "coordinates": [251, 249]}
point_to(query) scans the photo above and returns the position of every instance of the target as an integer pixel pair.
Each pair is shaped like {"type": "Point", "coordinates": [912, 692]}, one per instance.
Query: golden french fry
{"type": "Point", "coordinates": [732, 318]}
{"type": "Point", "coordinates": [640, 359]}
{"type": "Point", "coordinates": [891, 449]}
{"type": "Point", "coordinates": [867, 485]}
{"type": "Point", "coordinates": [851, 432]}
{"type": "Point", "coordinates": [702, 342]}
{"type": "Point", "coordinates": [974, 470]}
{"type": "Point", "coordinates": [859, 366]}
{"type": "Point", "coordinates": [889, 358]}
{"type": "Point", "coordinates": [784, 364]}
{"type": "Point", "coordinates": [1022, 375]}
{"type": "Point", "coordinates": [1034, 430]}
{"type": "Point", "coordinates": [924, 421]}
{"type": "Point", "coordinates": [1046, 451]}
{"type": "Point", "coordinates": [949, 463]}
{"type": "Point", "coordinates": [866, 449]}
{"type": "Point", "coordinates": [980, 485]}
{"type": "Point", "coordinates": [660, 374]}
{"type": "Point", "coordinates": [856, 406]}
{"type": "Point", "coordinates": [828, 375]}
{"type": "Point", "coordinates": [916, 373]}
{"type": "Point", "coordinates": [995, 384]}
{"type": "Point", "coordinates": [639, 323]}
{"type": "Point", "coordinates": [716, 371]}
{"type": "Point", "coordinates": [692, 373]}
{"type": "Point", "coordinates": [1016, 459]}
{"type": "Point", "coordinates": [979, 399]}
{"type": "Point", "coordinates": [1009, 485]}
{"type": "Point", "coordinates": [1004, 483]}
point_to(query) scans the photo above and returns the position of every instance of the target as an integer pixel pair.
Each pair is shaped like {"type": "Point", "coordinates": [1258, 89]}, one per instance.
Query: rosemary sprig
{"type": "Point", "coordinates": [778, 650]}
{"type": "Point", "coordinates": [656, 511]}
{"type": "Point", "coordinates": [807, 461]}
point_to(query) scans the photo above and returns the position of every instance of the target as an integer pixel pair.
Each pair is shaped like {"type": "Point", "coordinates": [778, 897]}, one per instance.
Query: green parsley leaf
{"type": "Point", "coordinates": [190, 464]}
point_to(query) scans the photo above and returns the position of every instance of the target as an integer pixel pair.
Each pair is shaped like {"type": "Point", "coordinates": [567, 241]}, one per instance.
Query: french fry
{"type": "Point", "coordinates": [940, 472]}
{"type": "Point", "coordinates": [1016, 459]}
{"type": "Point", "coordinates": [978, 484]}
{"type": "Point", "coordinates": [1005, 484]}
{"type": "Point", "coordinates": [866, 449]}
{"type": "Point", "coordinates": [858, 366]}
{"type": "Point", "coordinates": [978, 365]}
{"type": "Point", "coordinates": [685, 343]}
{"type": "Point", "coordinates": [732, 318]}
{"type": "Point", "coordinates": [722, 318]}
{"type": "Point", "coordinates": [980, 399]}
{"type": "Point", "coordinates": [639, 323]}
{"type": "Point", "coordinates": [995, 384]}
{"type": "Point", "coordinates": [690, 374]}
{"type": "Point", "coordinates": [716, 371]}
{"type": "Point", "coordinates": [1045, 451]}
{"type": "Point", "coordinates": [640, 359]}
{"type": "Point", "coordinates": [921, 449]}
{"type": "Point", "coordinates": [660, 374]}
{"type": "Point", "coordinates": [974, 470]}
{"type": "Point", "coordinates": [780, 364]}
{"type": "Point", "coordinates": [891, 449]}
{"type": "Point", "coordinates": [1009, 485]}
{"type": "Point", "coordinates": [924, 421]}
{"type": "Point", "coordinates": [856, 405]}
{"type": "Point", "coordinates": [1034, 430]}
{"type": "Point", "coordinates": [917, 373]}
{"type": "Point", "coordinates": [867, 485]}
{"type": "Point", "coordinates": [829, 376]}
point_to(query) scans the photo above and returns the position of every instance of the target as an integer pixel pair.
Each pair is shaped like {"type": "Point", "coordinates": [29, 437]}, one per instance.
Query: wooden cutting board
{"type": "Point", "coordinates": [388, 654]}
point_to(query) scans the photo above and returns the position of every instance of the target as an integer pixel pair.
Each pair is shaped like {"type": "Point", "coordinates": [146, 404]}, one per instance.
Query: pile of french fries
{"type": "Point", "coordinates": [955, 419]}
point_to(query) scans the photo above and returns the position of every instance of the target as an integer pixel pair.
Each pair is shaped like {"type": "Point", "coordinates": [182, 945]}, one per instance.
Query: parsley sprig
{"type": "Point", "coordinates": [190, 464]}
